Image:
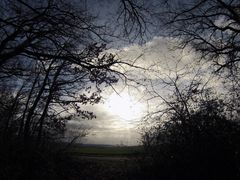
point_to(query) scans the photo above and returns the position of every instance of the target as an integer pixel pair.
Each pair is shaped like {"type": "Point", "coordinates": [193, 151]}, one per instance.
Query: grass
{"type": "Point", "coordinates": [107, 162]}
{"type": "Point", "coordinates": [106, 151]}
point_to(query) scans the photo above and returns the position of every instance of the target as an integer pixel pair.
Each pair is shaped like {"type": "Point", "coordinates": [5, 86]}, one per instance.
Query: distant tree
{"type": "Point", "coordinates": [9, 108]}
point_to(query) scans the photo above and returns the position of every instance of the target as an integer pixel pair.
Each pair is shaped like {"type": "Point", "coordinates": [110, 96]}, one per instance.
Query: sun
{"type": "Point", "coordinates": [124, 106]}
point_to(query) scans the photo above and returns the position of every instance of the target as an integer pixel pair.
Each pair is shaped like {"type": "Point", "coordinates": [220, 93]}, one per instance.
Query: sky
{"type": "Point", "coordinates": [122, 109]}
{"type": "Point", "coordinates": [118, 116]}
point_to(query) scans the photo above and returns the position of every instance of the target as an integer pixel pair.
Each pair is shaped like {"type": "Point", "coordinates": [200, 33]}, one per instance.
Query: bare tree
{"type": "Point", "coordinates": [54, 93]}
{"type": "Point", "coordinates": [48, 30]}
{"type": "Point", "coordinates": [211, 27]}
{"type": "Point", "coordinates": [52, 48]}
{"type": "Point", "coordinates": [191, 129]}
{"type": "Point", "coordinates": [134, 17]}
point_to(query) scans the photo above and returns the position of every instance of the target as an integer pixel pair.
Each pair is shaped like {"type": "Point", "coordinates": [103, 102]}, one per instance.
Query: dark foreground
{"type": "Point", "coordinates": [92, 163]}
{"type": "Point", "coordinates": [68, 164]}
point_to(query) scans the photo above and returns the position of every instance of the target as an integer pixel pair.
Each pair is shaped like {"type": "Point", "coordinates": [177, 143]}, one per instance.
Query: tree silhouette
{"type": "Point", "coordinates": [210, 27]}
{"type": "Point", "coordinates": [51, 49]}
{"type": "Point", "coordinates": [53, 61]}
{"type": "Point", "coordinates": [193, 134]}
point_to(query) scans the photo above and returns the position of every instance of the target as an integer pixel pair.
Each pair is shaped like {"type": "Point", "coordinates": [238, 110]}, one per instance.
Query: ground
{"type": "Point", "coordinates": [105, 162]}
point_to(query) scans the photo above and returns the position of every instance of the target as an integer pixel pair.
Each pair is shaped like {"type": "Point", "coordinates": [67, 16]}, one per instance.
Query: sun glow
{"type": "Point", "coordinates": [124, 106]}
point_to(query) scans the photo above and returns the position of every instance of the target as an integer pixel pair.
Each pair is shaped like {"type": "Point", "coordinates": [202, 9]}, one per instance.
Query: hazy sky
{"type": "Point", "coordinates": [118, 118]}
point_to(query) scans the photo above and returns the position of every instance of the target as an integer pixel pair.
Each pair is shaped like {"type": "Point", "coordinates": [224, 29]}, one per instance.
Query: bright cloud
{"type": "Point", "coordinates": [117, 119]}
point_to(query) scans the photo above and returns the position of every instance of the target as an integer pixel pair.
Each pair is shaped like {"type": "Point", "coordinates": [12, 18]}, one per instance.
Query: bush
{"type": "Point", "coordinates": [201, 145]}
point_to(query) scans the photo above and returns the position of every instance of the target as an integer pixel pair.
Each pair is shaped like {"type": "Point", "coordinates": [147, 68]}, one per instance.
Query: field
{"type": "Point", "coordinates": [105, 162]}
{"type": "Point", "coordinates": [109, 151]}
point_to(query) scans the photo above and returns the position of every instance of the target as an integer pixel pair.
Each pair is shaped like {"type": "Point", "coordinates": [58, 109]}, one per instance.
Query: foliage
{"type": "Point", "coordinates": [203, 144]}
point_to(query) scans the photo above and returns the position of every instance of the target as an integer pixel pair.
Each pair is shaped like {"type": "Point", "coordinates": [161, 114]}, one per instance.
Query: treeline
{"type": "Point", "coordinates": [195, 135]}
{"type": "Point", "coordinates": [52, 62]}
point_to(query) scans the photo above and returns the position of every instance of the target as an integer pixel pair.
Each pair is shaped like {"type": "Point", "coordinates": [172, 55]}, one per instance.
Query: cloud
{"type": "Point", "coordinates": [105, 129]}
{"type": "Point", "coordinates": [161, 60]}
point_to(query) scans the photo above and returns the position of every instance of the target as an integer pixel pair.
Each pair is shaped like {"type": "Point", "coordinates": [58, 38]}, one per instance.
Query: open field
{"type": "Point", "coordinates": [106, 162]}
{"type": "Point", "coordinates": [109, 151]}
